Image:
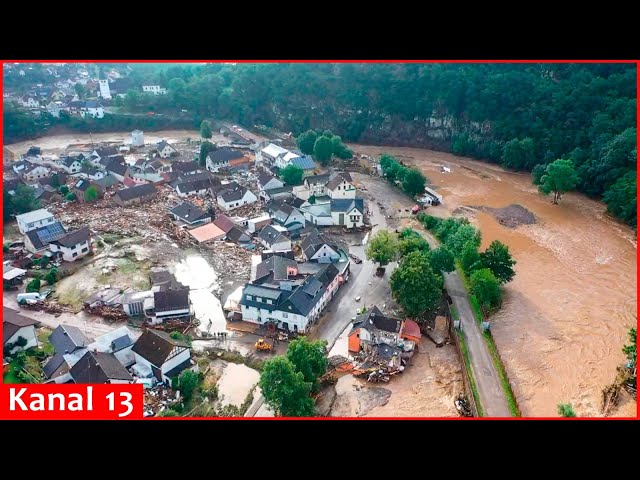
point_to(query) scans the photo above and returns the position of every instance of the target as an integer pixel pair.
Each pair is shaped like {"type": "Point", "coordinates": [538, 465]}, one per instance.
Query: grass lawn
{"type": "Point", "coordinates": [43, 338]}
{"type": "Point", "coordinates": [10, 376]}
{"type": "Point", "coordinates": [504, 379]}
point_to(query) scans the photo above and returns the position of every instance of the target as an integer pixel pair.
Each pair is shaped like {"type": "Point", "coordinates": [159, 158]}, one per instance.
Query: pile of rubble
{"type": "Point", "coordinates": [148, 220]}
{"type": "Point", "coordinates": [109, 313]}
{"type": "Point", "coordinates": [46, 306]}
{"type": "Point", "coordinates": [159, 398]}
{"type": "Point", "coordinates": [228, 259]}
{"type": "Point", "coordinates": [377, 368]}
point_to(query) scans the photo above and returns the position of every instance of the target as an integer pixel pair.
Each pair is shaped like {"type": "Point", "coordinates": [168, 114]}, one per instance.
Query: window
{"type": "Point", "coordinates": [269, 302]}
{"type": "Point", "coordinates": [338, 187]}
{"type": "Point", "coordinates": [75, 254]}
{"type": "Point", "coordinates": [85, 249]}
{"type": "Point", "coordinates": [259, 299]}
{"type": "Point", "coordinates": [249, 297]}
{"type": "Point", "coordinates": [285, 315]}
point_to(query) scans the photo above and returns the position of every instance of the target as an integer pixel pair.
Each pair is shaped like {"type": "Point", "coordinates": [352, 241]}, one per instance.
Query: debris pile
{"type": "Point", "coordinates": [109, 313]}
{"type": "Point", "coordinates": [462, 405]}
{"type": "Point", "coordinates": [158, 398]}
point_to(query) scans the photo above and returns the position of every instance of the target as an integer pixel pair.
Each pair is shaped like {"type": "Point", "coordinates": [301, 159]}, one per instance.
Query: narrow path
{"type": "Point", "coordinates": [492, 396]}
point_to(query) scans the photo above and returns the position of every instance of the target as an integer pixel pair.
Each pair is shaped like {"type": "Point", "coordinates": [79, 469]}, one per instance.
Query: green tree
{"type": "Point", "coordinates": [7, 205]}
{"type": "Point", "coordinates": [80, 90]}
{"type": "Point", "coordinates": [470, 258]}
{"type": "Point", "coordinates": [463, 234]}
{"type": "Point", "coordinates": [64, 189]}
{"type": "Point", "coordinates": [205, 148]}
{"type": "Point", "coordinates": [187, 383]}
{"type": "Point", "coordinates": [383, 247]}
{"type": "Point", "coordinates": [537, 173]}
{"type": "Point", "coordinates": [24, 200]}
{"type": "Point", "coordinates": [559, 178]}
{"type": "Point", "coordinates": [441, 260]}
{"type": "Point", "coordinates": [91, 194]}
{"type": "Point", "coordinates": [630, 350]}
{"type": "Point", "coordinates": [167, 412]}
{"type": "Point", "coordinates": [322, 150]}
{"type": "Point", "coordinates": [55, 180]}
{"type": "Point", "coordinates": [340, 150]}
{"type": "Point", "coordinates": [309, 358]}
{"type": "Point", "coordinates": [412, 243]}
{"type": "Point", "coordinates": [447, 228]}
{"type": "Point", "coordinates": [292, 175]}
{"type": "Point", "coordinates": [486, 287]}
{"type": "Point", "coordinates": [306, 141]}
{"type": "Point", "coordinates": [44, 261]}
{"type": "Point", "coordinates": [621, 198]}
{"type": "Point", "coordinates": [70, 196]}
{"type": "Point", "coordinates": [498, 259]}
{"type": "Point", "coordinates": [519, 154]}
{"type": "Point", "coordinates": [205, 129]}
{"type": "Point", "coordinates": [33, 286]}
{"type": "Point", "coordinates": [52, 276]}
{"type": "Point", "coordinates": [413, 182]}
{"type": "Point", "coordinates": [566, 410]}
{"type": "Point", "coordinates": [415, 286]}
{"type": "Point", "coordinates": [284, 389]}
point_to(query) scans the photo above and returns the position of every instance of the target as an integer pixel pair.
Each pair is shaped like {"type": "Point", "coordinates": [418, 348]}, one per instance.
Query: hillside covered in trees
{"type": "Point", "coordinates": [517, 115]}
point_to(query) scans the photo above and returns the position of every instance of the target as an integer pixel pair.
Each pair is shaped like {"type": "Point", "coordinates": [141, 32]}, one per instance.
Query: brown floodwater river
{"type": "Point", "coordinates": [566, 314]}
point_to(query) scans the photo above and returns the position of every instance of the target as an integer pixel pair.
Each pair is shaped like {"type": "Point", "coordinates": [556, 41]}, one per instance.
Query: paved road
{"type": "Point", "coordinates": [490, 390]}
{"type": "Point", "coordinates": [492, 397]}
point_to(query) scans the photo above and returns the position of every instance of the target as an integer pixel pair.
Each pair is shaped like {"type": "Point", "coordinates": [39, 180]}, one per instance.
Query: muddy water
{"type": "Point", "coordinates": [195, 272]}
{"type": "Point", "coordinates": [236, 382]}
{"type": "Point", "coordinates": [566, 314]}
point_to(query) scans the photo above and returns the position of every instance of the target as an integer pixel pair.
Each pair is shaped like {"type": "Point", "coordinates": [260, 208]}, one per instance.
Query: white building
{"type": "Point", "coordinates": [293, 303]}
{"type": "Point", "coordinates": [92, 109]}
{"type": "Point", "coordinates": [316, 248]}
{"type": "Point", "coordinates": [119, 342]}
{"type": "Point", "coordinates": [133, 303]}
{"type": "Point", "coordinates": [159, 356]}
{"type": "Point", "coordinates": [71, 165]}
{"type": "Point", "coordinates": [137, 138]}
{"type": "Point", "coordinates": [30, 171]}
{"type": "Point", "coordinates": [105, 91]}
{"type": "Point", "coordinates": [348, 213]}
{"type": "Point", "coordinates": [234, 196]}
{"type": "Point", "coordinates": [73, 245]}
{"type": "Point", "coordinates": [36, 219]}
{"type": "Point", "coordinates": [29, 102]}
{"type": "Point", "coordinates": [165, 150]}
{"type": "Point", "coordinates": [54, 109]}
{"type": "Point", "coordinates": [270, 153]}
{"type": "Point", "coordinates": [155, 89]}
{"type": "Point", "coordinates": [168, 305]}
{"type": "Point", "coordinates": [315, 184]}
{"type": "Point", "coordinates": [273, 238]}
{"type": "Point", "coordinates": [15, 326]}
{"type": "Point", "coordinates": [340, 186]}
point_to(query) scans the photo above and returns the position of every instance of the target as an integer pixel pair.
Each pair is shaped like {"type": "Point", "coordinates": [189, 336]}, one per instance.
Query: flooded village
{"type": "Point", "coordinates": [189, 260]}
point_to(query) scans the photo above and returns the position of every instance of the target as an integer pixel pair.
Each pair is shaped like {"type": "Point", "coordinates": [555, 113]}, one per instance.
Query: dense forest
{"type": "Point", "coordinates": [517, 115]}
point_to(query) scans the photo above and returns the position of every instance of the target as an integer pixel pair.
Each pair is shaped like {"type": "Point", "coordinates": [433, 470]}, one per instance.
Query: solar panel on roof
{"type": "Point", "coordinates": [51, 232]}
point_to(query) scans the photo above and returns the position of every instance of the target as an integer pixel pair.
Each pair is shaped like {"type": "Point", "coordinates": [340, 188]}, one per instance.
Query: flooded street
{"type": "Point", "coordinates": [236, 382]}
{"type": "Point", "coordinates": [566, 314]}
{"type": "Point", "coordinates": [57, 143]}
{"type": "Point", "coordinates": [195, 272]}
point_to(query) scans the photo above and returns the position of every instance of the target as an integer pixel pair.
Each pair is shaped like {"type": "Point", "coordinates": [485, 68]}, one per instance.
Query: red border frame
{"type": "Point", "coordinates": [636, 62]}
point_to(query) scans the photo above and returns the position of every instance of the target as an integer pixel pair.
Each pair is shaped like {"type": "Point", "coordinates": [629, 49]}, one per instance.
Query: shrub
{"type": "Point", "coordinates": [33, 286]}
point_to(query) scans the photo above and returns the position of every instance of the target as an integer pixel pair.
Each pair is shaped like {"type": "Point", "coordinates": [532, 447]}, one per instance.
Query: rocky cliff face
{"type": "Point", "coordinates": [434, 132]}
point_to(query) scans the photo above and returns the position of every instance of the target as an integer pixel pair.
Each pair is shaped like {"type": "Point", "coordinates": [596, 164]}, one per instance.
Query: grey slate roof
{"type": "Point", "coordinates": [317, 179]}
{"type": "Point", "coordinates": [276, 265]}
{"type": "Point", "coordinates": [12, 321]}
{"type": "Point", "coordinates": [97, 367]}
{"type": "Point", "coordinates": [270, 235]}
{"type": "Point", "coordinates": [222, 155]}
{"type": "Point", "coordinates": [107, 181]}
{"type": "Point", "coordinates": [312, 243]}
{"type": "Point", "coordinates": [68, 161]}
{"type": "Point", "coordinates": [347, 205]}
{"type": "Point", "coordinates": [72, 239]}
{"type": "Point", "coordinates": [67, 338]}
{"type": "Point", "coordinates": [374, 319]}
{"type": "Point", "coordinates": [265, 178]}
{"type": "Point", "coordinates": [186, 167]}
{"type": "Point", "coordinates": [189, 212]}
{"type": "Point", "coordinates": [155, 346]}
{"type": "Point", "coordinates": [136, 192]}
{"type": "Point", "coordinates": [194, 186]}
{"type": "Point", "coordinates": [232, 192]}
{"type": "Point", "coordinates": [171, 300]}
{"type": "Point", "coordinates": [235, 234]}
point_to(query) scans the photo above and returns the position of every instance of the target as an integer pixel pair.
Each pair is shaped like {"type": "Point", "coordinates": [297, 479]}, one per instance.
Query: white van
{"type": "Point", "coordinates": [28, 297]}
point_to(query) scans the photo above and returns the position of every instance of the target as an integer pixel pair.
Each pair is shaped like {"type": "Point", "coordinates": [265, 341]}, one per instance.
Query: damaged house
{"type": "Point", "coordinates": [373, 329]}
{"type": "Point", "coordinates": [190, 214]}
{"type": "Point", "coordinates": [159, 356]}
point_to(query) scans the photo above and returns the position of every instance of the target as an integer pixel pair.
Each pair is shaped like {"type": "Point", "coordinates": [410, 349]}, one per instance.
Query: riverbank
{"type": "Point", "coordinates": [566, 314]}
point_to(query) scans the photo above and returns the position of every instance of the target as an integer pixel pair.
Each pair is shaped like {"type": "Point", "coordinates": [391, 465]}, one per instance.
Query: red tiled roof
{"type": "Point", "coordinates": [410, 328]}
